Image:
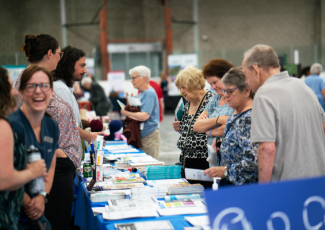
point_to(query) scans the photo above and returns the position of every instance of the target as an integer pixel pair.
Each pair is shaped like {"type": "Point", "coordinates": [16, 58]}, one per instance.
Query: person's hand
{"type": "Point", "coordinates": [218, 171]}
{"type": "Point", "coordinates": [94, 135]}
{"type": "Point", "coordinates": [38, 168]}
{"type": "Point", "coordinates": [176, 125]}
{"type": "Point", "coordinates": [126, 97]}
{"type": "Point", "coordinates": [123, 112]}
{"type": "Point", "coordinates": [35, 208]}
{"type": "Point", "coordinates": [204, 117]}
{"type": "Point", "coordinates": [214, 145]}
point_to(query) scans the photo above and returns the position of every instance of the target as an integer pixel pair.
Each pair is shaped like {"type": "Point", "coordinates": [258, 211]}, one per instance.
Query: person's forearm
{"type": "Point", "coordinates": [266, 155]}
{"type": "Point", "coordinates": [84, 135]}
{"type": "Point", "coordinates": [26, 200]}
{"type": "Point", "coordinates": [48, 184]}
{"type": "Point", "coordinates": [204, 125]}
{"type": "Point", "coordinates": [138, 116]}
{"type": "Point", "coordinates": [223, 120]}
{"type": "Point", "coordinates": [16, 180]}
{"type": "Point", "coordinates": [162, 105]}
{"type": "Point", "coordinates": [218, 132]}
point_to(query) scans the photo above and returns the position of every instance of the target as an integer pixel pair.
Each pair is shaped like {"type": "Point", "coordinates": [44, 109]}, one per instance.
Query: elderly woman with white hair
{"type": "Point", "coordinates": [149, 114]}
{"type": "Point", "coordinates": [98, 98]}
{"type": "Point", "coordinates": [316, 83]}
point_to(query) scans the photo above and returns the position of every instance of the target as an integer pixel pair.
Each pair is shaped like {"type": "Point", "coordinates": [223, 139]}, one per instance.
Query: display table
{"type": "Point", "coordinates": [85, 218]}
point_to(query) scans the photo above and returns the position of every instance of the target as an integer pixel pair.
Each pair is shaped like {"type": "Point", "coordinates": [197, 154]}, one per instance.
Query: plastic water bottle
{"type": "Point", "coordinates": [37, 185]}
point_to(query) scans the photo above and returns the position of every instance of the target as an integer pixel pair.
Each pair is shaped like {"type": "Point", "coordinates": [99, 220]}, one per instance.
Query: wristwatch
{"type": "Point", "coordinates": [46, 196]}
{"type": "Point", "coordinates": [226, 172]}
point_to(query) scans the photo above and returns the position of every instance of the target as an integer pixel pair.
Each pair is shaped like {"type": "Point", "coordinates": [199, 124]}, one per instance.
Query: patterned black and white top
{"type": "Point", "coordinates": [196, 143]}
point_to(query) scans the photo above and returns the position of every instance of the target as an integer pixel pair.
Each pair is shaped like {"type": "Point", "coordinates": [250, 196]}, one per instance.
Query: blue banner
{"type": "Point", "coordinates": [298, 204]}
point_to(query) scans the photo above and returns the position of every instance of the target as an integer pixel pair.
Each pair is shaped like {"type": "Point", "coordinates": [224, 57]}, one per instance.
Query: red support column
{"type": "Point", "coordinates": [168, 34]}
{"type": "Point", "coordinates": [105, 62]}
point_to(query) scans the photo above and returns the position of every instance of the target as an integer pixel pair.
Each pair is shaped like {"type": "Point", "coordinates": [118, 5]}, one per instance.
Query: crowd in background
{"type": "Point", "coordinates": [262, 124]}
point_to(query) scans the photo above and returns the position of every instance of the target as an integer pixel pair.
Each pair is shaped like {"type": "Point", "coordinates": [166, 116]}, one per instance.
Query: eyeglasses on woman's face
{"type": "Point", "coordinates": [61, 54]}
{"type": "Point", "coordinates": [133, 78]}
{"type": "Point", "coordinates": [229, 91]}
{"type": "Point", "coordinates": [31, 87]}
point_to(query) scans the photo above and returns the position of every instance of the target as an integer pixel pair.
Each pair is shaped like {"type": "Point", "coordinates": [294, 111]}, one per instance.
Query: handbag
{"type": "Point", "coordinates": [218, 144]}
{"type": "Point", "coordinates": [189, 127]}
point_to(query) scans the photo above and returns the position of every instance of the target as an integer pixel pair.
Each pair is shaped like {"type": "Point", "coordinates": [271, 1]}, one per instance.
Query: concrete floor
{"type": "Point", "coordinates": [169, 153]}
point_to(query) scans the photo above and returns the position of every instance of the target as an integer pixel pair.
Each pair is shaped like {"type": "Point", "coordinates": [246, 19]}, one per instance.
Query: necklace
{"type": "Point", "coordinates": [193, 107]}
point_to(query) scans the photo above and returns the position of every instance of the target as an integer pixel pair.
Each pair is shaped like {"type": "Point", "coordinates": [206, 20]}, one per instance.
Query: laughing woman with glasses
{"type": "Point", "coordinates": [238, 154]}
{"type": "Point", "coordinates": [39, 130]}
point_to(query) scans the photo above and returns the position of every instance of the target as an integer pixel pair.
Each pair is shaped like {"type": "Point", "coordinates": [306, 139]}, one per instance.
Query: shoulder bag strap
{"type": "Point", "coordinates": [239, 115]}
{"type": "Point", "coordinates": [189, 127]}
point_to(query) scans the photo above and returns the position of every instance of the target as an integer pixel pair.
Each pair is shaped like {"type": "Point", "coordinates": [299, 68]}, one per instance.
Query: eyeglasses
{"type": "Point", "coordinates": [229, 91]}
{"type": "Point", "coordinates": [31, 87]}
{"type": "Point", "coordinates": [133, 78]}
{"type": "Point", "coordinates": [61, 54]}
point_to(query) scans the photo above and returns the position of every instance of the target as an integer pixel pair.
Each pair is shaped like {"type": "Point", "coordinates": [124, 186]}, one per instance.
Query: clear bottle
{"type": "Point", "coordinates": [37, 185]}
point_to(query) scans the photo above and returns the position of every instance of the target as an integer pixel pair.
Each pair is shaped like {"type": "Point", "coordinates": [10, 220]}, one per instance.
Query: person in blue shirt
{"type": "Point", "coordinates": [316, 83]}
{"type": "Point", "coordinates": [149, 115]}
{"type": "Point", "coordinates": [40, 130]}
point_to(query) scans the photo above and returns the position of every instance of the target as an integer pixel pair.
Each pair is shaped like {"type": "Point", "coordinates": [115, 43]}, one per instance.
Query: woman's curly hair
{"type": "Point", "coordinates": [65, 68]}
{"type": "Point", "coordinates": [7, 101]}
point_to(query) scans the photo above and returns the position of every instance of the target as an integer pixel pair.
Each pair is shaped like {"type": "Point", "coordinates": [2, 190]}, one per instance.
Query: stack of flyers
{"type": "Point", "coordinates": [185, 189]}
{"type": "Point", "coordinates": [127, 178]}
{"type": "Point", "coordinates": [122, 186]}
{"type": "Point", "coordinates": [146, 191]}
{"type": "Point", "coordinates": [157, 172]}
{"type": "Point", "coordinates": [101, 196]}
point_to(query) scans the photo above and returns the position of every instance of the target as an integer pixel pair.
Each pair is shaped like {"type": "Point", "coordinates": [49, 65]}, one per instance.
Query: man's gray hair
{"type": "Point", "coordinates": [316, 68]}
{"type": "Point", "coordinates": [263, 56]}
{"type": "Point", "coordinates": [142, 71]}
{"type": "Point", "coordinates": [86, 80]}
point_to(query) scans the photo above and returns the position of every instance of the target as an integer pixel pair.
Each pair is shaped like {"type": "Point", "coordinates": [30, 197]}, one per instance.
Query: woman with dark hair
{"type": "Point", "coordinates": [238, 154]}
{"type": "Point", "coordinates": [14, 170]}
{"type": "Point", "coordinates": [214, 117]}
{"type": "Point", "coordinates": [39, 131]}
{"type": "Point", "coordinates": [42, 50]}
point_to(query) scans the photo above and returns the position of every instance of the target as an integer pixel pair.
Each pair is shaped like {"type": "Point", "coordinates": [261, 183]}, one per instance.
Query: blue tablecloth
{"type": "Point", "coordinates": [85, 218]}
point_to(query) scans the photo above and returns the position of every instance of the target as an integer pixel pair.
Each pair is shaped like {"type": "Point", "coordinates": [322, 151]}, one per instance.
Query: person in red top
{"type": "Point", "coordinates": [160, 96]}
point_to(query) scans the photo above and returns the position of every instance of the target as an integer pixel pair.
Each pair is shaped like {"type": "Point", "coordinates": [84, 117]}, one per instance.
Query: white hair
{"type": "Point", "coordinates": [142, 71]}
{"type": "Point", "coordinates": [316, 68]}
{"type": "Point", "coordinates": [86, 80]}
